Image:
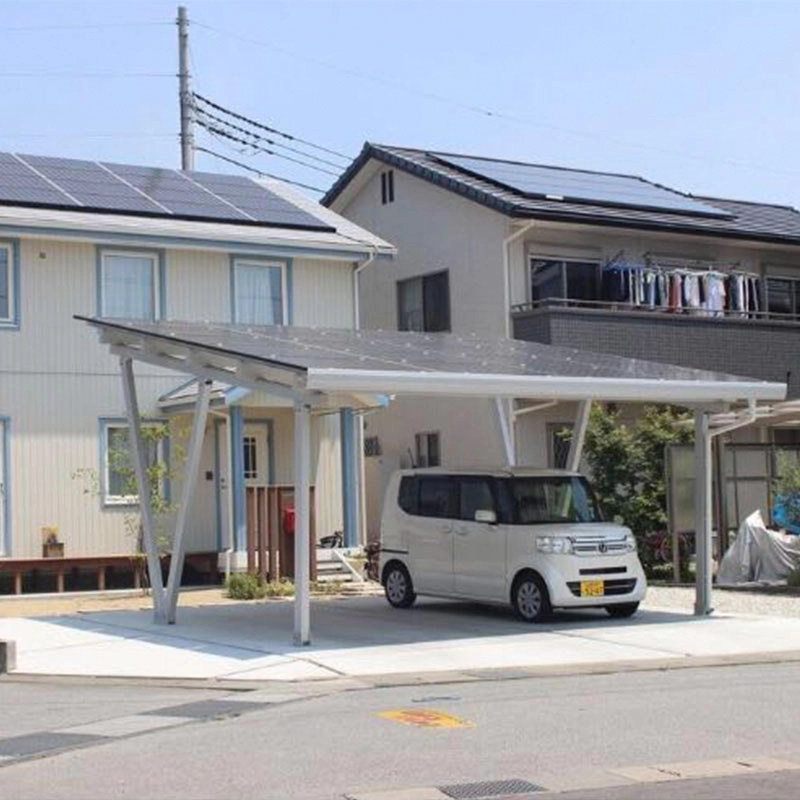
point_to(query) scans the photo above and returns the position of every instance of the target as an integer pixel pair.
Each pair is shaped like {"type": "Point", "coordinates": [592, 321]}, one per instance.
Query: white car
{"type": "Point", "coordinates": [534, 538]}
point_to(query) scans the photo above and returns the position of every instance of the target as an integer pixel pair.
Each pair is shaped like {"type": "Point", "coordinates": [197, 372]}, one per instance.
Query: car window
{"type": "Point", "coordinates": [436, 497]}
{"type": "Point", "coordinates": [553, 499]}
{"type": "Point", "coordinates": [407, 496]}
{"type": "Point", "coordinates": [475, 494]}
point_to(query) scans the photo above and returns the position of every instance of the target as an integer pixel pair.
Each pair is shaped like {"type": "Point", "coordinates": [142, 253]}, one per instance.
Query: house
{"type": "Point", "coordinates": [496, 248]}
{"type": "Point", "coordinates": [132, 242]}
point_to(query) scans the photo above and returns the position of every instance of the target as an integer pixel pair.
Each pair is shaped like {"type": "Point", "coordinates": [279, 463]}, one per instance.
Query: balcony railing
{"type": "Point", "coordinates": [551, 303]}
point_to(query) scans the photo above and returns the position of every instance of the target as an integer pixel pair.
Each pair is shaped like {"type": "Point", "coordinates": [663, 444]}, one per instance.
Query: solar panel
{"type": "Point", "coordinates": [124, 188]}
{"type": "Point", "coordinates": [257, 200]}
{"type": "Point", "coordinates": [91, 185]}
{"type": "Point", "coordinates": [175, 191]}
{"type": "Point", "coordinates": [557, 183]}
{"type": "Point", "coordinates": [20, 184]}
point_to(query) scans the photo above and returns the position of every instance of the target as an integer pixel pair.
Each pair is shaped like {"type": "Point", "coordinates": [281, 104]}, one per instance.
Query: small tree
{"type": "Point", "coordinates": [159, 474]}
{"type": "Point", "coordinates": [627, 466]}
{"type": "Point", "coordinates": [786, 487]}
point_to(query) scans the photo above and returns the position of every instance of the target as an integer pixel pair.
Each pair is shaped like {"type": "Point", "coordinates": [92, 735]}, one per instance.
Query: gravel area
{"type": "Point", "coordinates": [737, 601]}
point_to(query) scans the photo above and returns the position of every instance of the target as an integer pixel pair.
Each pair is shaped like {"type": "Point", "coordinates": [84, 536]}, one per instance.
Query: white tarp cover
{"type": "Point", "coordinates": [759, 555]}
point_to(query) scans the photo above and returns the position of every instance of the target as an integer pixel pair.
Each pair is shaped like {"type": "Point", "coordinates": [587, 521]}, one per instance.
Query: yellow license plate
{"type": "Point", "coordinates": [592, 589]}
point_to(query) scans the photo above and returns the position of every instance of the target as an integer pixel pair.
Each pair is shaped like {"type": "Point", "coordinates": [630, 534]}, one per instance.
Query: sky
{"type": "Point", "coordinates": [701, 95]}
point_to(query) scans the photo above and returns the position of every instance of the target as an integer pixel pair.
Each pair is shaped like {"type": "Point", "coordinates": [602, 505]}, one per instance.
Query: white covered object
{"type": "Point", "coordinates": [759, 555]}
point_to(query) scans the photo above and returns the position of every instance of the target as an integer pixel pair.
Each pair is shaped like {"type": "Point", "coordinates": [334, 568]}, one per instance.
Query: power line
{"type": "Point", "coordinates": [489, 112]}
{"type": "Point", "coordinates": [86, 135]}
{"type": "Point", "coordinates": [267, 128]}
{"type": "Point", "coordinates": [266, 139]}
{"type": "Point", "coordinates": [67, 74]}
{"type": "Point", "coordinates": [266, 150]}
{"type": "Point", "coordinates": [87, 26]}
{"type": "Point", "coordinates": [258, 171]}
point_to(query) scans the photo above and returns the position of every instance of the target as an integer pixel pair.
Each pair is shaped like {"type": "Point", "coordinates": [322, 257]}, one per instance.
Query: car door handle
{"type": "Point", "coordinates": [461, 531]}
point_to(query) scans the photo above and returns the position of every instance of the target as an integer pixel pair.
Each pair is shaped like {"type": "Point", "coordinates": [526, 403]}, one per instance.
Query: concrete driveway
{"type": "Point", "coordinates": [365, 638]}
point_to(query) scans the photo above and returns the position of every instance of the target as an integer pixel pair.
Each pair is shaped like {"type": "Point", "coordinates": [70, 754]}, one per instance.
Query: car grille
{"type": "Point", "coordinates": [603, 571]}
{"type": "Point", "coordinates": [598, 546]}
{"type": "Point", "coordinates": [610, 588]}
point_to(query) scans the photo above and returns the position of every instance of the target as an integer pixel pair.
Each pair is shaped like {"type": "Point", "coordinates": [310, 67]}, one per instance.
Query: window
{"type": "Point", "coordinates": [407, 497]}
{"type": "Point", "coordinates": [423, 304]}
{"type": "Point", "coordinates": [538, 501]}
{"type": "Point", "coordinates": [129, 285]}
{"type": "Point", "coordinates": [387, 187]}
{"type": "Point", "coordinates": [8, 311]}
{"type": "Point", "coordinates": [428, 450]}
{"type": "Point", "coordinates": [564, 279]}
{"type": "Point", "coordinates": [259, 292]}
{"type": "Point", "coordinates": [436, 497]}
{"type": "Point", "coordinates": [250, 457]}
{"type": "Point", "coordinates": [558, 442]}
{"type": "Point", "coordinates": [475, 494]}
{"type": "Point", "coordinates": [118, 479]}
{"type": "Point", "coordinates": [783, 296]}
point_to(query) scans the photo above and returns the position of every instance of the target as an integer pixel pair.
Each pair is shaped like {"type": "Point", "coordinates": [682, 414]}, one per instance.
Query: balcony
{"type": "Point", "coordinates": [761, 345]}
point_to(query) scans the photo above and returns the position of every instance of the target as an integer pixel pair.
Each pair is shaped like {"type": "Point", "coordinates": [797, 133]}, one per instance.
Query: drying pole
{"type": "Point", "coordinates": [184, 93]}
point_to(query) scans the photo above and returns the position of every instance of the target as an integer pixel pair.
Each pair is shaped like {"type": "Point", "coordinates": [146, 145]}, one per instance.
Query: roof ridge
{"type": "Point", "coordinates": [714, 198]}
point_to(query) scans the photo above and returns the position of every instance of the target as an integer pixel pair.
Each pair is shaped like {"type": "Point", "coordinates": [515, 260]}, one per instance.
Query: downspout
{"type": "Point", "coordinates": [359, 268]}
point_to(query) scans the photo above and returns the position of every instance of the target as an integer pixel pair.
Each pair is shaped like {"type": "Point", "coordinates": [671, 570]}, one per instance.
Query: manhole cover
{"type": "Point", "coordinates": [488, 789]}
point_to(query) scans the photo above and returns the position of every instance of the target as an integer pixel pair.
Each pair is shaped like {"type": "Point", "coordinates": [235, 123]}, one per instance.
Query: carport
{"type": "Point", "coordinates": [323, 370]}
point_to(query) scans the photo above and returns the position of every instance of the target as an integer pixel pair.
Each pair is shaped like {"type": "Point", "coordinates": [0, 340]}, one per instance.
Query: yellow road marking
{"type": "Point", "coordinates": [426, 718]}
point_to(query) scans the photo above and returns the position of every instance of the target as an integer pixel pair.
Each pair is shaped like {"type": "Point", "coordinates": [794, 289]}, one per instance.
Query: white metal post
{"type": "Point", "coordinates": [143, 487]}
{"type": "Point", "coordinates": [579, 435]}
{"type": "Point", "coordinates": [302, 519]}
{"type": "Point", "coordinates": [189, 483]}
{"type": "Point", "coordinates": [504, 420]}
{"type": "Point", "coordinates": [703, 506]}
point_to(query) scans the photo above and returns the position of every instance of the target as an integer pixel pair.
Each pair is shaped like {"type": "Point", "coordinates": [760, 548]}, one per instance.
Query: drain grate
{"type": "Point", "coordinates": [488, 789]}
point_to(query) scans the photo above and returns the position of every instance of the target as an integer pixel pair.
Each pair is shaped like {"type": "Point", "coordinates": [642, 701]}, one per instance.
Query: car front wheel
{"type": "Point", "coordinates": [398, 586]}
{"type": "Point", "coordinates": [530, 599]}
{"type": "Point", "coordinates": [622, 610]}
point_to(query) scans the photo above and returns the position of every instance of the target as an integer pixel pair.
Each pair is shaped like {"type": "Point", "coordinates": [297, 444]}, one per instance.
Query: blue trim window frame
{"type": "Point", "coordinates": [266, 262]}
{"type": "Point", "coordinates": [5, 484]}
{"type": "Point", "coordinates": [9, 284]}
{"type": "Point", "coordinates": [158, 277]}
{"type": "Point", "coordinates": [108, 424]}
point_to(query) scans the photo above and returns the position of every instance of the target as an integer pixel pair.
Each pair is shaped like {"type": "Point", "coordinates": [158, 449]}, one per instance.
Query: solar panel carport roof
{"type": "Point", "coordinates": [391, 362]}
{"type": "Point", "coordinates": [76, 185]}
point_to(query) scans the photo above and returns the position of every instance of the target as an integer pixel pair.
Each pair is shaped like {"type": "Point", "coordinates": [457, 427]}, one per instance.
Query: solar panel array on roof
{"type": "Point", "coordinates": [557, 183]}
{"type": "Point", "coordinates": [92, 186]}
{"type": "Point", "coordinates": [20, 184]}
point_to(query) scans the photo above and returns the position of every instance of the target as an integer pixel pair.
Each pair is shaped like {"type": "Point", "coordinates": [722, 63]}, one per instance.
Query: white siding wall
{"type": "Point", "coordinates": [57, 381]}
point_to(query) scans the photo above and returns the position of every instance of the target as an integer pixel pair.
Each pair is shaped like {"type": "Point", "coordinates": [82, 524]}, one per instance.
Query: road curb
{"type": "Point", "coordinates": [347, 683]}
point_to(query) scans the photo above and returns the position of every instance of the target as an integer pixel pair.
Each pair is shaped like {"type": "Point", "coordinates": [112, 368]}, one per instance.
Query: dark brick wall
{"type": "Point", "coordinates": [755, 349]}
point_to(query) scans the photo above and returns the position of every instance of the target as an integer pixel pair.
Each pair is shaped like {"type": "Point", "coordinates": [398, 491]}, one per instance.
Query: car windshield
{"type": "Point", "coordinates": [553, 499]}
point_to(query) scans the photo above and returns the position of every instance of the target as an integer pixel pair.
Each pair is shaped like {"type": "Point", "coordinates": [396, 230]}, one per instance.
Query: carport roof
{"type": "Point", "coordinates": [308, 362]}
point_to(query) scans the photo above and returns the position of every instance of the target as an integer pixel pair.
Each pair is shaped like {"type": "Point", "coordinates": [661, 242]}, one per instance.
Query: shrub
{"type": "Point", "coordinates": [245, 586]}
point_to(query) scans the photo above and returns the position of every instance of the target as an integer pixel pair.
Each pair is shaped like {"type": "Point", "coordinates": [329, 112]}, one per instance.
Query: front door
{"type": "Point", "coordinates": [479, 548]}
{"type": "Point", "coordinates": [431, 539]}
{"type": "Point", "coordinates": [255, 444]}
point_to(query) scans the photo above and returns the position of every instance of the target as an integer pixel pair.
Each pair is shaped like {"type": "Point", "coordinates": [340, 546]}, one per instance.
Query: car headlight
{"type": "Point", "coordinates": [554, 544]}
{"type": "Point", "coordinates": [630, 543]}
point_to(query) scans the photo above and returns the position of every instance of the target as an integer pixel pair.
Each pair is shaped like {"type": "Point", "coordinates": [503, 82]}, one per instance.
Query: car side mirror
{"type": "Point", "coordinates": [486, 516]}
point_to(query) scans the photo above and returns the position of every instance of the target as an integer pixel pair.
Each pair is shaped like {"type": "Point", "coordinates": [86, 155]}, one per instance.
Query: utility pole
{"type": "Point", "coordinates": [184, 93]}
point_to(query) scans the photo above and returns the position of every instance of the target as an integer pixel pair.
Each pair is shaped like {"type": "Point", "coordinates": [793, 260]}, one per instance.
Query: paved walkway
{"type": "Point", "coordinates": [363, 637]}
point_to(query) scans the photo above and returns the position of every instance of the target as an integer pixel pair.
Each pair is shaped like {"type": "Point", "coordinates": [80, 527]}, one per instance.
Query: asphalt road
{"type": "Point", "coordinates": [576, 735]}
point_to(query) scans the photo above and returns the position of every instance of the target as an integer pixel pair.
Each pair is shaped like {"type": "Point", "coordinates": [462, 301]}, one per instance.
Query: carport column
{"type": "Point", "coordinates": [579, 435]}
{"type": "Point", "coordinates": [143, 487]}
{"type": "Point", "coordinates": [302, 527]}
{"type": "Point", "coordinates": [703, 512]}
{"type": "Point", "coordinates": [189, 483]}
{"type": "Point", "coordinates": [505, 421]}
{"type": "Point", "coordinates": [348, 436]}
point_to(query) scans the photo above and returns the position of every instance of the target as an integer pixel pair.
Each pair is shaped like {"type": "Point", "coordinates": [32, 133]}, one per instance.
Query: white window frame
{"type": "Point", "coordinates": [120, 500]}
{"type": "Point", "coordinates": [263, 264]}
{"type": "Point", "coordinates": [155, 262]}
{"type": "Point", "coordinates": [11, 319]}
